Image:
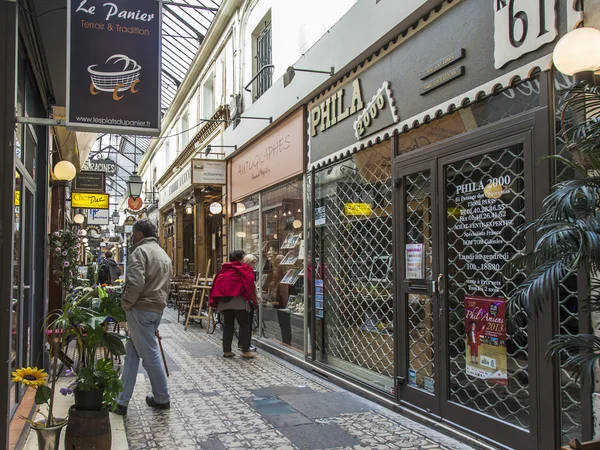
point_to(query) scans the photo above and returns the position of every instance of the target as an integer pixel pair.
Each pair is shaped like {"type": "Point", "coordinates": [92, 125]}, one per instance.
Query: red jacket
{"type": "Point", "coordinates": [235, 279]}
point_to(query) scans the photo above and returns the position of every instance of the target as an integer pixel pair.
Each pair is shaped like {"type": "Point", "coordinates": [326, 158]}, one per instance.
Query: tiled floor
{"type": "Point", "coordinates": [265, 403]}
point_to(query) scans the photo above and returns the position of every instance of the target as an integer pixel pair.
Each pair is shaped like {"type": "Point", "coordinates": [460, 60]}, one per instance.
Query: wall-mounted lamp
{"type": "Point", "coordinates": [189, 209]}
{"type": "Point", "coordinates": [116, 217]}
{"type": "Point", "coordinates": [215, 208]}
{"type": "Point", "coordinates": [64, 171]}
{"type": "Point", "coordinates": [135, 185]}
{"type": "Point", "coordinates": [577, 53]}
{"type": "Point", "coordinates": [78, 219]}
{"type": "Point", "coordinates": [170, 219]}
{"type": "Point", "coordinates": [290, 73]}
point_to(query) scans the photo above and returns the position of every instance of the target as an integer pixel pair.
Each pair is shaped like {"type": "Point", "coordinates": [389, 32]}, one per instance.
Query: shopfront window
{"type": "Point", "coordinates": [353, 260]}
{"type": "Point", "coordinates": [245, 233]}
{"type": "Point", "coordinates": [16, 278]}
{"type": "Point", "coordinates": [282, 282]}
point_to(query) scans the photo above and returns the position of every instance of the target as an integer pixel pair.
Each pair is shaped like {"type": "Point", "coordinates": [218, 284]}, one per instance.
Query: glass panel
{"type": "Point", "coordinates": [282, 283]}
{"type": "Point", "coordinates": [15, 360]}
{"type": "Point", "coordinates": [353, 251]}
{"type": "Point", "coordinates": [488, 362]}
{"type": "Point", "coordinates": [245, 233]}
{"type": "Point", "coordinates": [507, 103]}
{"type": "Point", "coordinates": [420, 308]}
{"type": "Point", "coordinates": [30, 152]}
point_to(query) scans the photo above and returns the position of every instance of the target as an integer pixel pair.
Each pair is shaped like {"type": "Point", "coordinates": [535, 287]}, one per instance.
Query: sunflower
{"type": "Point", "coordinates": [30, 377]}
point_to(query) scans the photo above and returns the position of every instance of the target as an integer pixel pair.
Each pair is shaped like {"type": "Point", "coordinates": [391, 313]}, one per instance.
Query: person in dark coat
{"type": "Point", "coordinates": [233, 294]}
{"type": "Point", "coordinates": [109, 270]}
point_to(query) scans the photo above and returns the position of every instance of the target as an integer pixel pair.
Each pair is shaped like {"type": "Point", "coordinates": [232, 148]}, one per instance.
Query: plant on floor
{"type": "Point", "coordinates": [83, 318]}
{"type": "Point", "coordinates": [568, 230]}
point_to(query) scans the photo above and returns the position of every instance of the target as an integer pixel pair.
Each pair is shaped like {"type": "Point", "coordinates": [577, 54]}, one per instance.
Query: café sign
{"type": "Point", "coordinates": [89, 200]}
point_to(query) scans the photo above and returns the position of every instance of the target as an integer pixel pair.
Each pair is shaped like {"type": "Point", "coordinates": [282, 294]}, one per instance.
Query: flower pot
{"type": "Point", "coordinates": [88, 400]}
{"type": "Point", "coordinates": [88, 430]}
{"type": "Point", "coordinates": [49, 438]}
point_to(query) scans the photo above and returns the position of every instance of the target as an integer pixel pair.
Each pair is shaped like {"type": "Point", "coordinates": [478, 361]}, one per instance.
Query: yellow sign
{"type": "Point", "coordinates": [91, 201]}
{"type": "Point", "coordinates": [17, 198]}
{"type": "Point", "coordinates": [357, 209]}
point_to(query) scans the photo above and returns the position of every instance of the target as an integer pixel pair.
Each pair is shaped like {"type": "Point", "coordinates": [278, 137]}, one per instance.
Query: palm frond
{"type": "Point", "coordinates": [582, 353]}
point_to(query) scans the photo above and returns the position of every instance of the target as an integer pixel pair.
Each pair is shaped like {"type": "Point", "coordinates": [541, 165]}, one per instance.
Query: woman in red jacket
{"type": "Point", "coordinates": [233, 294]}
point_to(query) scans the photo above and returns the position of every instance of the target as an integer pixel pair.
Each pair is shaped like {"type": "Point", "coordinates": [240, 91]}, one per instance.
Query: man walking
{"type": "Point", "coordinates": [144, 300]}
{"type": "Point", "coordinates": [109, 271]}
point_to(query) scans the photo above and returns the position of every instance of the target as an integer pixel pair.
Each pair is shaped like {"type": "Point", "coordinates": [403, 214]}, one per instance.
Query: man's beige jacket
{"type": "Point", "coordinates": [148, 275]}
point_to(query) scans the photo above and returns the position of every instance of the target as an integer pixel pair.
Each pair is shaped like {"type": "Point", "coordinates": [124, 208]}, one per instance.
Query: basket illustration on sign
{"type": "Point", "coordinates": [115, 81]}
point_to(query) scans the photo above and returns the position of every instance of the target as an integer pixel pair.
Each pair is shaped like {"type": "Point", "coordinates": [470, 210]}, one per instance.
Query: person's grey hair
{"type": "Point", "coordinates": [250, 259]}
{"type": "Point", "coordinates": [146, 227]}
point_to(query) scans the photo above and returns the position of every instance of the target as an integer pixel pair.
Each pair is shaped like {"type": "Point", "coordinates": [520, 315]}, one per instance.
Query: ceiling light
{"type": "Point", "coordinates": [64, 171]}
{"type": "Point", "coordinates": [78, 219]}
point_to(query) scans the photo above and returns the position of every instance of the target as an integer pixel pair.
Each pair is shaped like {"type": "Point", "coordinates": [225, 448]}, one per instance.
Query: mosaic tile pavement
{"type": "Point", "coordinates": [264, 403]}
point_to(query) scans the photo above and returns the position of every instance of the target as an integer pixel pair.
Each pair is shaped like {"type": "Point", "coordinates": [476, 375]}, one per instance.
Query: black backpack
{"type": "Point", "coordinates": [104, 274]}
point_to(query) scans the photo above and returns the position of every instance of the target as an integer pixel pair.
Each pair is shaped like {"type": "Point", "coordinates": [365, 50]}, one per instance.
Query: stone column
{"type": "Point", "coordinates": [178, 239]}
{"type": "Point", "coordinates": [201, 241]}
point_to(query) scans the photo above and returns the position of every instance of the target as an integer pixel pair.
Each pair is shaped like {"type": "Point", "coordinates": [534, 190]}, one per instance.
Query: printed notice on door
{"type": "Point", "coordinates": [485, 328]}
{"type": "Point", "coordinates": [415, 261]}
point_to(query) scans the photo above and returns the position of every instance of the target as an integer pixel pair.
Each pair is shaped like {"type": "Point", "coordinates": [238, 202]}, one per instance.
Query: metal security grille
{"type": "Point", "coordinates": [508, 402]}
{"type": "Point", "coordinates": [264, 57]}
{"type": "Point", "coordinates": [353, 248]}
{"type": "Point", "coordinates": [420, 308]}
{"type": "Point", "coordinates": [568, 301]}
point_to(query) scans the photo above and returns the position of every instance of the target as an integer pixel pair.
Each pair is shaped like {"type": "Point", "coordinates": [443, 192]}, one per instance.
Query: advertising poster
{"type": "Point", "coordinates": [485, 328]}
{"type": "Point", "coordinates": [113, 66]}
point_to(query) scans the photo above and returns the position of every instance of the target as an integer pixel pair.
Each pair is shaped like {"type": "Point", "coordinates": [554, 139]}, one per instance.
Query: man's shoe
{"type": "Point", "coordinates": [228, 354]}
{"type": "Point", "coordinates": [120, 410]}
{"type": "Point", "coordinates": [252, 348]}
{"type": "Point", "coordinates": [248, 355]}
{"type": "Point", "coordinates": [151, 402]}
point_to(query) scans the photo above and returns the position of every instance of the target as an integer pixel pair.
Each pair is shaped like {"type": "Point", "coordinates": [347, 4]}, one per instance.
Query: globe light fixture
{"type": "Point", "coordinates": [115, 217]}
{"type": "Point", "coordinates": [240, 207]}
{"type": "Point", "coordinates": [297, 224]}
{"type": "Point", "coordinates": [64, 171]}
{"type": "Point", "coordinates": [215, 208]}
{"type": "Point", "coordinates": [577, 53]}
{"type": "Point", "coordinates": [134, 185]}
{"type": "Point", "coordinates": [78, 219]}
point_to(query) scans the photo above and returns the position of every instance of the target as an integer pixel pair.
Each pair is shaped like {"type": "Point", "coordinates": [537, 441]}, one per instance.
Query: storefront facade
{"type": "Point", "coordinates": [266, 182]}
{"type": "Point", "coordinates": [419, 175]}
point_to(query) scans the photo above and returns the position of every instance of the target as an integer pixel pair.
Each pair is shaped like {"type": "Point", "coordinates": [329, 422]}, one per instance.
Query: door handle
{"type": "Point", "coordinates": [440, 283]}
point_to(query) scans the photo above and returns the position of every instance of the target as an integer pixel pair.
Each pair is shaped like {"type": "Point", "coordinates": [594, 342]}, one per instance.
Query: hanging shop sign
{"type": "Point", "coordinates": [90, 181]}
{"type": "Point", "coordinates": [101, 165]}
{"type": "Point", "coordinates": [130, 220]}
{"type": "Point", "coordinates": [94, 232]}
{"type": "Point", "coordinates": [113, 66]}
{"type": "Point", "coordinates": [206, 171]}
{"type": "Point", "coordinates": [275, 157]}
{"type": "Point", "coordinates": [89, 200]}
{"type": "Point", "coordinates": [98, 217]}
{"type": "Point", "coordinates": [485, 349]}
{"type": "Point", "coordinates": [135, 204]}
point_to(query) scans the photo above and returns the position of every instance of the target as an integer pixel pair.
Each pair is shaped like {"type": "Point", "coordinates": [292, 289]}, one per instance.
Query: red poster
{"type": "Point", "coordinates": [485, 329]}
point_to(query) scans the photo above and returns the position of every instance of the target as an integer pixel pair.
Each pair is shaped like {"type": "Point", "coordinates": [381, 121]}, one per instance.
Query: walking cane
{"type": "Point", "coordinates": [162, 352]}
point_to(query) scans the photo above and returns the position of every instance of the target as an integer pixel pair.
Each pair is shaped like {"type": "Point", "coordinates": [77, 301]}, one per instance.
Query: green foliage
{"type": "Point", "coordinates": [43, 394]}
{"type": "Point", "coordinates": [104, 376]}
{"type": "Point", "coordinates": [568, 234]}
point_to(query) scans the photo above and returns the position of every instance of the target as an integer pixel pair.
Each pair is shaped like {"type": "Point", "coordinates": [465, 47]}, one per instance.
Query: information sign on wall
{"type": "Point", "coordinates": [90, 181]}
{"type": "Point", "coordinates": [89, 200]}
{"type": "Point", "coordinates": [415, 261]}
{"type": "Point", "coordinates": [113, 66]}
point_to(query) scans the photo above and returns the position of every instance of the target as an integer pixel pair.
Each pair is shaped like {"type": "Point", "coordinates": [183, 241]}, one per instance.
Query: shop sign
{"type": "Point", "coordinates": [97, 217]}
{"type": "Point", "coordinates": [207, 171]}
{"type": "Point", "coordinates": [415, 261]}
{"type": "Point", "coordinates": [129, 221]}
{"type": "Point", "coordinates": [119, 228]}
{"type": "Point", "coordinates": [93, 232]}
{"type": "Point", "coordinates": [17, 198]}
{"type": "Point", "coordinates": [90, 181]}
{"type": "Point", "coordinates": [485, 349]}
{"type": "Point", "coordinates": [176, 187]}
{"type": "Point", "coordinates": [101, 165]}
{"type": "Point", "coordinates": [522, 26]}
{"type": "Point", "coordinates": [381, 101]}
{"type": "Point", "coordinates": [275, 157]}
{"type": "Point", "coordinates": [113, 66]}
{"type": "Point", "coordinates": [357, 209]}
{"type": "Point", "coordinates": [89, 200]}
{"type": "Point", "coordinates": [135, 204]}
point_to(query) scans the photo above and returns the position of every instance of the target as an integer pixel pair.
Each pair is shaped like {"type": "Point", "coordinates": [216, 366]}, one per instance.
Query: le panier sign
{"type": "Point", "coordinates": [89, 200]}
{"type": "Point", "coordinates": [113, 66]}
